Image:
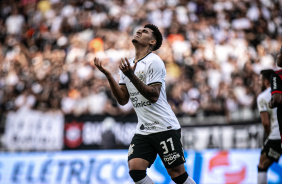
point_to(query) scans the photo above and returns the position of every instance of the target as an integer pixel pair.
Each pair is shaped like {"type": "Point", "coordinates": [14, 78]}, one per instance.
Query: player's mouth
{"type": "Point", "coordinates": [137, 36]}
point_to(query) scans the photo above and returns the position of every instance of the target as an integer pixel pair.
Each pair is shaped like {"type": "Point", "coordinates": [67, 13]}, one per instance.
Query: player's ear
{"type": "Point", "coordinates": [153, 42]}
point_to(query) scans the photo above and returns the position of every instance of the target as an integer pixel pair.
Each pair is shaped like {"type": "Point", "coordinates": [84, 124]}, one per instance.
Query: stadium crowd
{"type": "Point", "coordinates": [213, 51]}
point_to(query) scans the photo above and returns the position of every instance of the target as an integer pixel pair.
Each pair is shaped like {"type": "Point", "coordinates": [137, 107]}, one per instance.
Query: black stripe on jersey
{"type": "Point", "coordinates": [142, 57]}
{"type": "Point", "coordinates": [154, 83]}
{"type": "Point", "coordinates": [122, 84]}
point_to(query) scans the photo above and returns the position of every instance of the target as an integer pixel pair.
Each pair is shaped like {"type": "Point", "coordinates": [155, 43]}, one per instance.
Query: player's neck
{"type": "Point", "coordinates": [141, 53]}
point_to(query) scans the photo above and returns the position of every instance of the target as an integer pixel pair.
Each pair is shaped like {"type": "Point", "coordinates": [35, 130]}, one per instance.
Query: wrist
{"type": "Point", "coordinates": [107, 74]}
{"type": "Point", "coordinates": [130, 76]}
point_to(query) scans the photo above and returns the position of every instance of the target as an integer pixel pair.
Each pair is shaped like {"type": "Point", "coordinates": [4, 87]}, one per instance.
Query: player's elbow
{"type": "Point", "coordinates": [277, 99]}
{"type": "Point", "coordinates": [154, 99]}
{"type": "Point", "coordinates": [123, 101]}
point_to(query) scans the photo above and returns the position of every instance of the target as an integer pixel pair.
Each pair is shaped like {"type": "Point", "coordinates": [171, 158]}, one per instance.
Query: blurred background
{"type": "Point", "coordinates": [59, 122]}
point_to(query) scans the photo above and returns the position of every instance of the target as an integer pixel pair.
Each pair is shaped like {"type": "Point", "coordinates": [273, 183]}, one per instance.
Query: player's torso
{"type": "Point", "coordinates": [152, 117]}
{"type": "Point", "coordinates": [265, 98]}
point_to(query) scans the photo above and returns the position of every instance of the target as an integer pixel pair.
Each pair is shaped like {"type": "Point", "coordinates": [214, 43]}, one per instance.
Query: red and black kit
{"type": "Point", "coordinates": [276, 87]}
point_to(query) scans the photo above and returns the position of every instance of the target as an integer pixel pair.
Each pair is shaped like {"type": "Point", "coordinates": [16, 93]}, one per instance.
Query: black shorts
{"type": "Point", "coordinates": [273, 149]}
{"type": "Point", "coordinates": [167, 144]}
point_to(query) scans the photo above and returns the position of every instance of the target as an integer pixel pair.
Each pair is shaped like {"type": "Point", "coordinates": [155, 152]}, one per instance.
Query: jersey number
{"type": "Point", "coordinates": [165, 146]}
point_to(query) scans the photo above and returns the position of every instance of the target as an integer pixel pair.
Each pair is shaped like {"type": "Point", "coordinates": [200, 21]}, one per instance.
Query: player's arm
{"type": "Point", "coordinates": [276, 99]}
{"type": "Point", "coordinates": [265, 120]}
{"type": "Point", "coordinates": [264, 115]}
{"type": "Point", "coordinates": [150, 92]}
{"type": "Point", "coordinates": [276, 93]}
{"type": "Point", "coordinates": [119, 91]}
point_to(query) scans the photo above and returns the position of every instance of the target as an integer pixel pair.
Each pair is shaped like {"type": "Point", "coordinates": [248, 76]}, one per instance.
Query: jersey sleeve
{"type": "Point", "coordinates": [276, 84]}
{"type": "Point", "coordinates": [262, 104]}
{"type": "Point", "coordinates": [121, 78]}
{"type": "Point", "coordinates": [155, 73]}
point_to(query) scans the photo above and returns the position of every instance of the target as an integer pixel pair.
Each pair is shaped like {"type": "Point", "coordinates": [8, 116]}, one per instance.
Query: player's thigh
{"type": "Point", "coordinates": [270, 153]}
{"type": "Point", "coordinates": [176, 170]}
{"type": "Point", "coordinates": [141, 153]}
{"type": "Point", "coordinates": [169, 147]}
{"type": "Point", "coordinates": [138, 164]}
{"type": "Point", "coordinates": [264, 161]}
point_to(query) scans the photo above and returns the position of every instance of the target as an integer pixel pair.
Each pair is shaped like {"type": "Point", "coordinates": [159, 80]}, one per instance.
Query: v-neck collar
{"type": "Point", "coordinates": [142, 57]}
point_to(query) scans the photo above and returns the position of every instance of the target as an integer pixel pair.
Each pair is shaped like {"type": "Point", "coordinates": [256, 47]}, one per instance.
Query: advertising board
{"type": "Point", "coordinates": [110, 167]}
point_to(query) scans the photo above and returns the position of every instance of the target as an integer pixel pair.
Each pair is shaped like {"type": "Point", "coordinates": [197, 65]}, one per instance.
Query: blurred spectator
{"type": "Point", "coordinates": [213, 52]}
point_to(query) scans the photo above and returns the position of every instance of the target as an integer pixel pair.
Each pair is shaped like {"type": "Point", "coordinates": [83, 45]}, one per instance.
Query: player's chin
{"type": "Point", "coordinates": [134, 40]}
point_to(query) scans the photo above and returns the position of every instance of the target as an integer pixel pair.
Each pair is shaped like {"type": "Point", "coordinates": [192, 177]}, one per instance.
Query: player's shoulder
{"type": "Point", "coordinates": [265, 95]}
{"type": "Point", "coordinates": [155, 58]}
{"type": "Point", "coordinates": [278, 72]}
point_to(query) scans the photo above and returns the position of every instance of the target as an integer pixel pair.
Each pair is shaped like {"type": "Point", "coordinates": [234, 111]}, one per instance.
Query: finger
{"type": "Point", "coordinates": [120, 64]}
{"type": "Point", "coordinates": [120, 68]}
{"type": "Point", "coordinates": [96, 61]}
{"type": "Point", "coordinates": [127, 62]}
{"type": "Point", "coordinates": [123, 62]}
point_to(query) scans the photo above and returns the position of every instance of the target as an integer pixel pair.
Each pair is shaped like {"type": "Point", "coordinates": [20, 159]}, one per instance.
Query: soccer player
{"type": "Point", "coordinates": [142, 80]}
{"type": "Point", "coordinates": [271, 150]}
{"type": "Point", "coordinates": [276, 91]}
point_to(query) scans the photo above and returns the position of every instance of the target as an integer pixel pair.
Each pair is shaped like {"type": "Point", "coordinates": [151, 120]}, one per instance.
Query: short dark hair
{"type": "Point", "coordinates": [157, 34]}
{"type": "Point", "coordinates": [267, 73]}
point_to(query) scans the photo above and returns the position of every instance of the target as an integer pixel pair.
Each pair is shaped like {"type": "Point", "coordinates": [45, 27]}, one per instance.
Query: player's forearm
{"type": "Point", "coordinates": [118, 93]}
{"type": "Point", "coordinates": [265, 120]}
{"type": "Point", "coordinates": [149, 92]}
{"type": "Point", "coordinates": [276, 99]}
{"type": "Point", "coordinates": [266, 129]}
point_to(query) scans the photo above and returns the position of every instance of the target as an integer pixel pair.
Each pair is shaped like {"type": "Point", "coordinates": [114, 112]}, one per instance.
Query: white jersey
{"type": "Point", "coordinates": [262, 103]}
{"type": "Point", "coordinates": [152, 117]}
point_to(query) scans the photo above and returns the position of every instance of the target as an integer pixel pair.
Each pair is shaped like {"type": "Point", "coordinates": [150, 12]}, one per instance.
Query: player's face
{"type": "Point", "coordinates": [261, 83]}
{"type": "Point", "coordinates": [143, 36]}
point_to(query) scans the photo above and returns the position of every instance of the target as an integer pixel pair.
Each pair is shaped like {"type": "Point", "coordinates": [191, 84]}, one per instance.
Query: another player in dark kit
{"type": "Point", "coordinates": [276, 91]}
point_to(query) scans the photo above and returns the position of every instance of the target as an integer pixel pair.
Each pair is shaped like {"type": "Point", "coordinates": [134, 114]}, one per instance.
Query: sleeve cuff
{"type": "Point", "coordinates": [154, 83]}
{"type": "Point", "coordinates": [273, 92]}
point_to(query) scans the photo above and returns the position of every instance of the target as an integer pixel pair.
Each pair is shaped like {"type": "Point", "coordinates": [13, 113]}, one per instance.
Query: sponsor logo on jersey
{"type": "Point", "coordinates": [143, 127]}
{"type": "Point", "coordinates": [149, 126]}
{"type": "Point", "coordinates": [134, 93]}
{"type": "Point", "coordinates": [152, 124]}
{"type": "Point", "coordinates": [274, 83]}
{"type": "Point", "coordinates": [141, 104]}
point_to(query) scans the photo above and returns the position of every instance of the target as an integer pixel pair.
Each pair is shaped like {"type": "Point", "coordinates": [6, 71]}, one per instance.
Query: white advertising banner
{"type": "Point", "coordinates": [110, 167]}
{"type": "Point", "coordinates": [34, 130]}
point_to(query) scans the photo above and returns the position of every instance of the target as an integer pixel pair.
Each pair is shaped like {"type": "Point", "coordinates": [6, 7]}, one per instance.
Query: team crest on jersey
{"type": "Point", "coordinates": [261, 104]}
{"type": "Point", "coordinates": [130, 150]}
{"type": "Point", "coordinates": [140, 74]}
